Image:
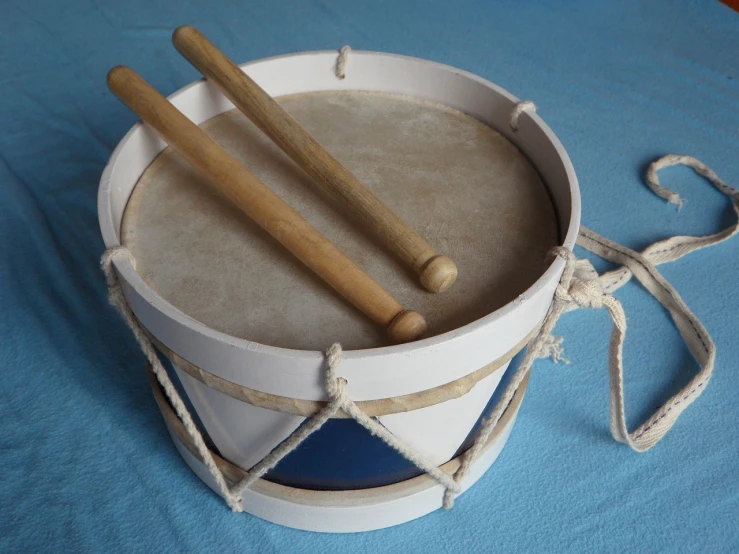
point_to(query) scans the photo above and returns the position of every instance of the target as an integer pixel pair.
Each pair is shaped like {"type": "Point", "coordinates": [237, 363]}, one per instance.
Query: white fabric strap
{"type": "Point", "coordinates": [676, 247]}
{"type": "Point", "coordinates": [582, 287]}
{"type": "Point", "coordinates": [692, 331]}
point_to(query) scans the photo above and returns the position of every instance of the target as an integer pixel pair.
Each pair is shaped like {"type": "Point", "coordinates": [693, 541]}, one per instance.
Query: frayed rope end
{"type": "Point", "coordinates": [552, 348]}
{"type": "Point", "coordinates": [676, 199]}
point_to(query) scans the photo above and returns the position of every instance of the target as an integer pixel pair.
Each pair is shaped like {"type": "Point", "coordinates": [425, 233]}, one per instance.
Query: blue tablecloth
{"type": "Point", "coordinates": [85, 460]}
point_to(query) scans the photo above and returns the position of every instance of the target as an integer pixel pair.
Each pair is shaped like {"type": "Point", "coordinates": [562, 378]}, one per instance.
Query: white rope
{"type": "Point", "coordinates": [676, 247]}
{"type": "Point", "coordinates": [518, 109]}
{"type": "Point", "coordinates": [580, 287]}
{"type": "Point", "coordinates": [116, 298]}
{"type": "Point", "coordinates": [533, 351]}
{"type": "Point", "coordinates": [341, 61]}
{"type": "Point", "coordinates": [339, 400]}
{"type": "Point", "coordinates": [335, 388]}
{"type": "Point", "coordinates": [552, 348]}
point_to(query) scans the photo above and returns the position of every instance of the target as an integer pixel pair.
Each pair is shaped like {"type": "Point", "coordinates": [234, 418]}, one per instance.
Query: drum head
{"type": "Point", "coordinates": [461, 185]}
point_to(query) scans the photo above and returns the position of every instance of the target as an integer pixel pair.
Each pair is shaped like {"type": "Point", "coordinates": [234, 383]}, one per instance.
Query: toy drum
{"type": "Point", "coordinates": [245, 325]}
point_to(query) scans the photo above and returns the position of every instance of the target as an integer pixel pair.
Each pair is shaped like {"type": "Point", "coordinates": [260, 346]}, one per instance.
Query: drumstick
{"type": "Point", "coordinates": [437, 273]}
{"type": "Point", "coordinates": [263, 206]}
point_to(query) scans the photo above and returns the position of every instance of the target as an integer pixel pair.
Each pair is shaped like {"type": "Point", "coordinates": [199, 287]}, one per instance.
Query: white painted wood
{"type": "Point", "coordinates": [438, 431]}
{"type": "Point", "coordinates": [244, 434]}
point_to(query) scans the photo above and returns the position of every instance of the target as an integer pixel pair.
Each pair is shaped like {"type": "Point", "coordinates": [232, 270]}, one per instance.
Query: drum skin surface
{"type": "Point", "coordinates": [455, 180]}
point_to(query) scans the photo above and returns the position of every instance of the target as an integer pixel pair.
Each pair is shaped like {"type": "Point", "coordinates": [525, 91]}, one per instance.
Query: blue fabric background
{"type": "Point", "coordinates": [85, 461]}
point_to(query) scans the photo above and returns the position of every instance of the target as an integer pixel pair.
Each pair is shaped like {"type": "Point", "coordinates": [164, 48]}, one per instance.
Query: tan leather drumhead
{"type": "Point", "coordinates": [462, 186]}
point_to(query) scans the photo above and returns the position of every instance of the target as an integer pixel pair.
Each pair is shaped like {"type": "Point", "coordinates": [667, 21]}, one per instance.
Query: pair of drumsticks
{"type": "Point", "coordinates": [246, 191]}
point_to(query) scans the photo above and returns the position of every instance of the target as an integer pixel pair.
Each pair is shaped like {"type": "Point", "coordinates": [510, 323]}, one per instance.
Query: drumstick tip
{"type": "Point", "coordinates": [184, 32]}
{"type": "Point", "coordinates": [118, 74]}
{"type": "Point", "coordinates": [407, 326]}
{"type": "Point", "coordinates": [438, 274]}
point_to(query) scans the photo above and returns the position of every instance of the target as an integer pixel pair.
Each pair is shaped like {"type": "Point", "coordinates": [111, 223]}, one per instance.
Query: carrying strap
{"type": "Point", "coordinates": [582, 287]}
{"type": "Point", "coordinates": [676, 247]}
{"type": "Point", "coordinates": [691, 330]}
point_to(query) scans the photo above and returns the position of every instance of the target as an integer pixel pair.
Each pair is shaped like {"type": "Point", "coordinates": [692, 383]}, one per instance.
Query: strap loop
{"type": "Point", "coordinates": [581, 287]}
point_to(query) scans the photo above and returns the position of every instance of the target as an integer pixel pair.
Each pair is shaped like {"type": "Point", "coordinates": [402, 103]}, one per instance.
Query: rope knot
{"type": "Point", "coordinates": [335, 386]}
{"type": "Point", "coordinates": [586, 294]}
{"type": "Point", "coordinates": [585, 289]}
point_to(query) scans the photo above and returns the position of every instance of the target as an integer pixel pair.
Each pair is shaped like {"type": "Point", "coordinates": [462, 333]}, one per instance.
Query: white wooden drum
{"type": "Point", "coordinates": [218, 294]}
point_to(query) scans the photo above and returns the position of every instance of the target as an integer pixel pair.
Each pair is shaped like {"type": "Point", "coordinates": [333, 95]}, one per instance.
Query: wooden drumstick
{"type": "Point", "coordinates": [437, 273]}
{"type": "Point", "coordinates": [268, 210]}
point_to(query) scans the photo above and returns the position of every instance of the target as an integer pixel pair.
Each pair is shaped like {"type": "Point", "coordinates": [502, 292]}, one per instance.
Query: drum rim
{"type": "Point", "coordinates": [133, 279]}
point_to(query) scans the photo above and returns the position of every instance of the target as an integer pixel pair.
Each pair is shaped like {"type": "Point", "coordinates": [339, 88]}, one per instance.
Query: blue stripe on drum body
{"type": "Point", "coordinates": [342, 455]}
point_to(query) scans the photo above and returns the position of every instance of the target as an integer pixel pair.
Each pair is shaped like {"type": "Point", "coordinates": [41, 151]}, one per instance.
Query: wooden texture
{"type": "Point", "coordinates": [264, 207]}
{"type": "Point", "coordinates": [437, 273]}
